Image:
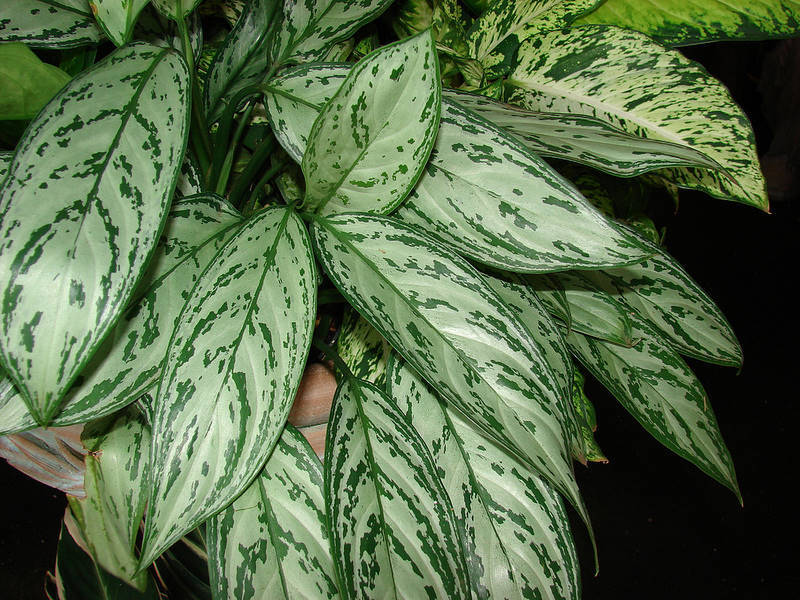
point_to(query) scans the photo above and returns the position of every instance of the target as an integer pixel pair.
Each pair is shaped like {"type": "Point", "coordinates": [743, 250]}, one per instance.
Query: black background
{"type": "Point", "coordinates": [664, 529]}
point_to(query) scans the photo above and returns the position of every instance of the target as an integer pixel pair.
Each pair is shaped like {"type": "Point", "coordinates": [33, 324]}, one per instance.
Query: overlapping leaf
{"type": "Point", "coordinates": [272, 541]}
{"type": "Point", "coordinates": [585, 408]}
{"type": "Point", "coordinates": [79, 227]}
{"type": "Point", "coordinates": [552, 295]}
{"type": "Point", "coordinates": [229, 381]}
{"type": "Point", "coordinates": [175, 9]}
{"type": "Point", "coordinates": [117, 17]}
{"type": "Point", "coordinates": [646, 91]}
{"type": "Point", "coordinates": [27, 82]}
{"type": "Point", "coordinates": [48, 24]}
{"type": "Point", "coordinates": [362, 348]}
{"type": "Point", "coordinates": [393, 532]}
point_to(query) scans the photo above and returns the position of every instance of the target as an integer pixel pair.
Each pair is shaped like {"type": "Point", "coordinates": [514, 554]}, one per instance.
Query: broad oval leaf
{"type": "Point", "coordinates": [47, 24]}
{"type": "Point", "coordinates": [27, 82]}
{"type": "Point", "coordinates": [437, 312]}
{"type": "Point", "coordinates": [117, 17]}
{"type": "Point", "coordinates": [646, 91]}
{"type": "Point", "coordinates": [81, 211]}
{"type": "Point", "coordinates": [488, 197]}
{"type": "Point", "coordinates": [372, 139]}
{"type": "Point", "coordinates": [232, 370]}
{"type": "Point", "coordinates": [393, 532]}
{"type": "Point", "coordinates": [272, 542]}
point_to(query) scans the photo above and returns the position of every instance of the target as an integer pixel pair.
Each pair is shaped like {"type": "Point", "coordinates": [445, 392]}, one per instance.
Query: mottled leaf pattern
{"type": "Point", "coordinates": [117, 17]}
{"type": "Point", "coordinates": [228, 383]}
{"type": "Point", "coordinates": [272, 542]}
{"type": "Point", "coordinates": [584, 407]}
{"type": "Point", "coordinates": [47, 23]}
{"type": "Point", "coordinates": [646, 91]}
{"type": "Point", "coordinates": [393, 532]}
{"type": "Point", "coordinates": [79, 227]}
{"type": "Point", "coordinates": [14, 413]}
{"type": "Point", "coordinates": [362, 348]}
{"type": "Point", "coordinates": [372, 139]}
{"type": "Point", "coordinates": [5, 163]}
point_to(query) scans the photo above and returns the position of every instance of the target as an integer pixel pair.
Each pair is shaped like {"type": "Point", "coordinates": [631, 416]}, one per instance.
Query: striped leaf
{"type": "Point", "coordinates": [231, 373]}
{"type": "Point", "coordinates": [188, 181]}
{"type": "Point", "coordinates": [14, 414]}
{"type": "Point", "coordinates": [657, 387]}
{"type": "Point", "coordinates": [117, 17]}
{"type": "Point", "coordinates": [48, 24]}
{"type": "Point", "coordinates": [72, 255]}
{"type": "Point", "coordinates": [513, 527]}
{"type": "Point", "coordinates": [272, 541]}
{"type": "Point", "coordinates": [583, 139]}
{"type": "Point", "coordinates": [685, 22]}
{"type": "Point", "coordinates": [5, 163]}
{"type": "Point", "coordinates": [488, 197]}
{"type": "Point", "coordinates": [393, 532]}
{"type": "Point", "coordinates": [175, 9]}
{"type": "Point", "coordinates": [27, 82]}
{"type": "Point", "coordinates": [438, 313]}
{"type": "Point", "coordinates": [372, 139]}
{"type": "Point", "coordinates": [626, 79]}
{"type": "Point", "coordinates": [362, 348]}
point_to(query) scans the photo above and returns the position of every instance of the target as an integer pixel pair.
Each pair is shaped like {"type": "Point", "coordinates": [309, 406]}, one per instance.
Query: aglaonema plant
{"type": "Point", "coordinates": [449, 204]}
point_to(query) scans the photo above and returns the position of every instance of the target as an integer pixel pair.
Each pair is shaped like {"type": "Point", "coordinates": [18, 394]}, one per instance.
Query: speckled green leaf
{"type": "Point", "coordinates": [188, 181]}
{"type": "Point", "coordinates": [372, 139]}
{"type": "Point", "coordinates": [175, 9]}
{"type": "Point", "coordinates": [584, 407]}
{"type": "Point", "coordinates": [513, 527]}
{"type": "Point", "coordinates": [27, 82]}
{"type": "Point", "coordinates": [657, 387]}
{"type": "Point", "coordinates": [393, 531]}
{"type": "Point", "coordinates": [362, 348]}
{"type": "Point", "coordinates": [156, 29]}
{"type": "Point", "coordinates": [646, 91]}
{"type": "Point", "coordinates": [81, 211]}
{"type": "Point", "coordinates": [5, 163]}
{"type": "Point", "coordinates": [439, 314]}
{"type": "Point", "coordinates": [117, 17]}
{"type": "Point", "coordinates": [583, 139]}
{"type": "Point", "coordinates": [48, 23]}
{"type": "Point", "coordinates": [484, 194]}
{"type": "Point", "coordinates": [231, 373]}
{"type": "Point", "coordinates": [271, 543]}
{"type": "Point", "coordinates": [685, 22]}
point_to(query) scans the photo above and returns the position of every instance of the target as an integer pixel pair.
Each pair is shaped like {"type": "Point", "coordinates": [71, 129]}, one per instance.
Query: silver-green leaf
{"type": "Point", "coordinates": [117, 17]}
{"type": "Point", "coordinates": [48, 24]}
{"type": "Point", "coordinates": [362, 348]}
{"type": "Point", "coordinates": [175, 9]}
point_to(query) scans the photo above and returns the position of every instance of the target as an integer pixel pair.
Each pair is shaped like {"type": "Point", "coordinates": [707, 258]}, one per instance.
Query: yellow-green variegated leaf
{"type": "Point", "coordinates": [81, 210]}
{"type": "Point", "coordinates": [362, 348]}
{"type": "Point", "coordinates": [646, 91]}
{"type": "Point", "coordinates": [513, 527]}
{"type": "Point", "coordinates": [372, 139]}
{"type": "Point", "coordinates": [48, 24]}
{"type": "Point", "coordinates": [485, 195]}
{"type": "Point", "coordinates": [657, 387]}
{"type": "Point", "coordinates": [232, 370]}
{"type": "Point", "coordinates": [685, 22]}
{"type": "Point", "coordinates": [583, 139]}
{"type": "Point", "coordinates": [392, 528]}
{"type": "Point", "coordinates": [117, 17]}
{"type": "Point", "coordinates": [116, 473]}
{"type": "Point", "coordinates": [271, 543]}
{"type": "Point", "coordinates": [435, 309]}
{"type": "Point", "coordinates": [175, 9]}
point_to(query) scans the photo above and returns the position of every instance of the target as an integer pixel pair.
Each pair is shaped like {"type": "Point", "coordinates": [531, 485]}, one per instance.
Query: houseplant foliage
{"type": "Point", "coordinates": [451, 203]}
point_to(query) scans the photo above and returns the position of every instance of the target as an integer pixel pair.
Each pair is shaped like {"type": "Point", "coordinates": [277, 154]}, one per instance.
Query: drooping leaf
{"type": "Point", "coordinates": [513, 527]}
{"type": "Point", "coordinates": [454, 330]}
{"type": "Point", "coordinates": [685, 22]}
{"type": "Point", "coordinates": [229, 380]}
{"type": "Point", "coordinates": [48, 24]}
{"type": "Point", "coordinates": [646, 91]}
{"type": "Point", "coordinates": [393, 532]}
{"type": "Point", "coordinates": [372, 139]}
{"type": "Point", "coordinates": [272, 542]}
{"type": "Point", "coordinates": [176, 9]}
{"type": "Point", "coordinates": [27, 82]}
{"type": "Point", "coordinates": [80, 226]}
{"type": "Point", "coordinates": [657, 387]}
{"type": "Point", "coordinates": [362, 348]}
{"type": "Point", "coordinates": [117, 17]}
{"type": "Point", "coordinates": [488, 197]}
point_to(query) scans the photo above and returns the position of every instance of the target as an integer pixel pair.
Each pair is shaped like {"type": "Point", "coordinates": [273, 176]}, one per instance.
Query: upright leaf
{"type": "Point", "coordinates": [372, 139]}
{"type": "Point", "coordinates": [81, 211]}
{"type": "Point", "coordinates": [232, 369]}
{"type": "Point", "coordinates": [48, 24]}
{"type": "Point", "coordinates": [117, 17]}
{"type": "Point", "coordinates": [27, 82]}
{"type": "Point", "coordinates": [175, 9]}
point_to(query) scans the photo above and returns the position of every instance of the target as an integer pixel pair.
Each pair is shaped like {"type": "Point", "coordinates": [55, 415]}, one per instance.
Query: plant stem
{"type": "Point", "coordinates": [223, 133]}
{"type": "Point", "coordinates": [200, 140]}
{"type": "Point", "coordinates": [269, 174]}
{"type": "Point", "coordinates": [260, 155]}
{"type": "Point", "coordinates": [225, 169]}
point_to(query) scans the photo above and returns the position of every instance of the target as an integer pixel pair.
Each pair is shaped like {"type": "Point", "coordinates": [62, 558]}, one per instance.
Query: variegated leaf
{"type": "Point", "coordinates": [657, 387]}
{"type": "Point", "coordinates": [362, 348]}
{"type": "Point", "coordinates": [14, 414]}
{"type": "Point", "coordinates": [584, 407]}
{"type": "Point", "coordinates": [48, 24]}
{"type": "Point", "coordinates": [372, 139]}
{"type": "Point", "coordinates": [583, 139]}
{"type": "Point", "coordinates": [116, 473]}
{"type": "Point", "coordinates": [5, 163]}
{"type": "Point", "coordinates": [272, 542]}
{"type": "Point", "coordinates": [310, 29]}
{"type": "Point", "coordinates": [176, 9]}
{"type": "Point", "coordinates": [229, 381]}
{"type": "Point", "coordinates": [188, 181]}
{"type": "Point", "coordinates": [393, 532]}
{"type": "Point", "coordinates": [117, 17]}
{"type": "Point", "coordinates": [552, 295]}
{"type": "Point", "coordinates": [454, 330]}
{"type": "Point", "coordinates": [685, 22]}
{"type": "Point", "coordinates": [156, 29]}
{"type": "Point", "coordinates": [513, 527]}
{"type": "Point", "coordinates": [646, 91]}
{"type": "Point", "coordinates": [484, 194]}
{"type": "Point", "coordinates": [81, 211]}
{"type": "Point", "coordinates": [28, 83]}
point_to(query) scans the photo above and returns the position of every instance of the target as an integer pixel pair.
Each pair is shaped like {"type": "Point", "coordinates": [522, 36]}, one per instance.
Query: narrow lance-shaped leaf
{"type": "Point", "coordinates": [27, 82]}
{"type": "Point", "coordinates": [231, 373]}
{"type": "Point", "coordinates": [372, 139]}
{"type": "Point", "coordinates": [272, 542]}
{"type": "Point", "coordinates": [646, 91]}
{"type": "Point", "coordinates": [81, 210]}
{"type": "Point", "coordinates": [117, 17]}
{"type": "Point", "coordinates": [47, 24]}
{"type": "Point", "coordinates": [393, 532]}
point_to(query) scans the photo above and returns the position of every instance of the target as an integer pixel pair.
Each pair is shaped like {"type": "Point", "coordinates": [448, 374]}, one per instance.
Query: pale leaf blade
{"type": "Point", "coordinates": [117, 17]}
{"type": "Point", "coordinates": [41, 24]}
{"type": "Point", "coordinates": [175, 9]}
{"type": "Point", "coordinates": [362, 348]}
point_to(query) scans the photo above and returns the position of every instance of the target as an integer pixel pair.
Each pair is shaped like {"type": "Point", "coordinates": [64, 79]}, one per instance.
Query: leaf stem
{"type": "Point", "coordinates": [223, 133]}
{"type": "Point", "coordinates": [260, 155]}
{"type": "Point", "coordinates": [227, 163]}
{"type": "Point", "coordinates": [248, 208]}
{"type": "Point", "coordinates": [200, 140]}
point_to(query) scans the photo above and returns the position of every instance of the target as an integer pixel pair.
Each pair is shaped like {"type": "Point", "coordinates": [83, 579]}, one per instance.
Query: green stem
{"type": "Point", "coordinates": [200, 140]}
{"type": "Point", "coordinates": [330, 296]}
{"type": "Point", "coordinates": [260, 156]}
{"type": "Point", "coordinates": [221, 138]}
{"type": "Point", "coordinates": [227, 164]}
{"type": "Point", "coordinates": [333, 355]}
{"type": "Point", "coordinates": [268, 174]}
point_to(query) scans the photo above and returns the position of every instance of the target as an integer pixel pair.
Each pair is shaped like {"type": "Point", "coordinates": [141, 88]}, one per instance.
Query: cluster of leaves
{"type": "Point", "coordinates": [185, 215]}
